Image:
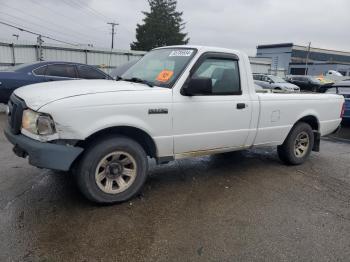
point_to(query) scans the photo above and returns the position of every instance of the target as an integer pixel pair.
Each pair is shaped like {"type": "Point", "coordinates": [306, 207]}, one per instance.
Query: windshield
{"type": "Point", "coordinates": [277, 79]}
{"type": "Point", "coordinates": [161, 67]}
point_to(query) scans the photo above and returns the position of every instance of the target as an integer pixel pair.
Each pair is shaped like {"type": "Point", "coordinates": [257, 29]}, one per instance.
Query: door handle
{"type": "Point", "coordinates": [241, 105]}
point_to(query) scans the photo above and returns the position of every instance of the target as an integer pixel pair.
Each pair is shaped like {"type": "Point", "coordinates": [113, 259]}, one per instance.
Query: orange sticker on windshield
{"type": "Point", "coordinates": [165, 76]}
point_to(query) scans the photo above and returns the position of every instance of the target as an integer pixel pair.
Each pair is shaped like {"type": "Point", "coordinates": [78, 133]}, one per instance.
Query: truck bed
{"type": "Point", "coordinates": [278, 112]}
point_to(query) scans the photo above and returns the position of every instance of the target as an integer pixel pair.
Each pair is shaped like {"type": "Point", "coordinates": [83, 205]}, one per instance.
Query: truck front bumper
{"type": "Point", "coordinates": [43, 155]}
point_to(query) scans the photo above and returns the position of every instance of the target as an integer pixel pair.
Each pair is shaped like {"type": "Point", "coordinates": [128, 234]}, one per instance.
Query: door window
{"type": "Point", "coordinates": [87, 72]}
{"type": "Point", "coordinates": [257, 77]}
{"type": "Point", "coordinates": [61, 70]}
{"type": "Point", "coordinates": [266, 79]}
{"type": "Point", "coordinates": [40, 71]}
{"type": "Point", "coordinates": [224, 74]}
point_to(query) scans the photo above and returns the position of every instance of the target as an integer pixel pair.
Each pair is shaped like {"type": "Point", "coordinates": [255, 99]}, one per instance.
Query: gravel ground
{"type": "Point", "coordinates": [232, 207]}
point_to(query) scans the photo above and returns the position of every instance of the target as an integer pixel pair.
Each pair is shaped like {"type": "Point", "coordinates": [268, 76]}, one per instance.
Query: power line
{"type": "Point", "coordinates": [113, 32]}
{"type": "Point", "coordinates": [41, 19]}
{"type": "Point", "coordinates": [93, 12]}
{"type": "Point", "coordinates": [86, 6]}
{"type": "Point", "coordinates": [37, 34]}
{"type": "Point", "coordinates": [36, 25]}
{"type": "Point", "coordinates": [84, 9]}
{"type": "Point", "coordinates": [62, 15]}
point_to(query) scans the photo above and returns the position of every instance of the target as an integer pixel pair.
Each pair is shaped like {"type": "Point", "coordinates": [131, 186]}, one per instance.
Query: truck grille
{"type": "Point", "coordinates": [16, 107]}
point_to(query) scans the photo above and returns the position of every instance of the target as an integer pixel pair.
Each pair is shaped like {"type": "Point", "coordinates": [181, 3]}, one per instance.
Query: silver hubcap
{"type": "Point", "coordinates": [115, 172]}
{"type": "Point", "coordinates": [301, 144]}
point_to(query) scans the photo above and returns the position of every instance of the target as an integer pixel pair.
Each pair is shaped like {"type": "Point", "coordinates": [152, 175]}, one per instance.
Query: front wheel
{"type": "Point", "coordinates": [298, 145]}
{"type": "Point", "coordinates": [112, 170]}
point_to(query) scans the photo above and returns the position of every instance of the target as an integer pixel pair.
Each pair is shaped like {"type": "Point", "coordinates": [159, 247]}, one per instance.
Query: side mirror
{"type": "Point", "coordinates": [198, 86]}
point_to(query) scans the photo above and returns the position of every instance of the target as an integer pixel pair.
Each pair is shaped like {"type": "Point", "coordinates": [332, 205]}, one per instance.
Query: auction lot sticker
{"type": "Point", "coordinates": [165, 76]}
{"type": "Point", "coordinates": [184, 52]}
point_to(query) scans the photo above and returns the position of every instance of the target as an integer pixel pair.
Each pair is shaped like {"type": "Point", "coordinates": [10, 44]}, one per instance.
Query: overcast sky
{"type": "Point", "coordinates": [237, 24]}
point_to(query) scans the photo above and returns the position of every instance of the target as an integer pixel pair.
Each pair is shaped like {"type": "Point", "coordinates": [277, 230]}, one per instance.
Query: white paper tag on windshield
{"type": "Point", "coordinates": [184, 52]}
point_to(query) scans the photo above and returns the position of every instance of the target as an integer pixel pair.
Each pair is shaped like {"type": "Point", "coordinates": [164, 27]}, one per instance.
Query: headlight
{"type": "Point", "coordinates": [38, 123]}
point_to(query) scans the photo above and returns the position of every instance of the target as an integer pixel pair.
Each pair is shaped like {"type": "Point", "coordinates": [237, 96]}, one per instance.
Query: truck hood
{"type": "Point", "coordinates": [38, 95]}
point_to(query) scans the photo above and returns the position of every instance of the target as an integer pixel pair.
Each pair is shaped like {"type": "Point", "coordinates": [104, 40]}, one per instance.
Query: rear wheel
{"type": "Point", "coordinates": [298, 145]}
{"type": "Point", "coordinates": [112, 170]}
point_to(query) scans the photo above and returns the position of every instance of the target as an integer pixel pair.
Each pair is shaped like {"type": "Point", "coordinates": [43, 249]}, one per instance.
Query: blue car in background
{"type": "Point", "coordinates": [342, 88]}
{"type": "Point", "coordinates": [26, 74]}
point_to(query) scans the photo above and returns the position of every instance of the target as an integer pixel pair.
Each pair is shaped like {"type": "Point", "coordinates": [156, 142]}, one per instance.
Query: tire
{"type": "Point", "coordinates": [112, 170]}
{"type": "Point", "coordinates": [295, 150]}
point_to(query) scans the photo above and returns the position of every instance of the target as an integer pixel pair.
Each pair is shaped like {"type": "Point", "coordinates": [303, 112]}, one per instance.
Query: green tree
{"type": "Point", "coordinates": [162, 26]}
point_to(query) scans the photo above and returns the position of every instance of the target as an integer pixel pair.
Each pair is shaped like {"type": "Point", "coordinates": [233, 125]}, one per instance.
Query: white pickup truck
{"type": "Point", "coordinates": [179, 101]}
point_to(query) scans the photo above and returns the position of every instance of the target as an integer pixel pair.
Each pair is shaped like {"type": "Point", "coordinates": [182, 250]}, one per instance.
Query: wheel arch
{"type": "Point", "coordinates": [310, 119]}
{"type": "Point", "coordinates": [313, 121]}
{"type": "Point", "coordinates": [137, 134]}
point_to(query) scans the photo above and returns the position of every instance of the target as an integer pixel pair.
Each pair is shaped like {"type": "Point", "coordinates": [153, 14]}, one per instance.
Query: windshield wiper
{"type": "Point", "coordinates": [135, 80]}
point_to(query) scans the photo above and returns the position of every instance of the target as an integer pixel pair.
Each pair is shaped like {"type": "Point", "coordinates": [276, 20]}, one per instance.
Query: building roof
{"type": "Point", "coordinates": [321, 50]}
{"type": "Point", "coordinates": [275, 45]}
{"type": "Point", "coordinates": [305, 48]}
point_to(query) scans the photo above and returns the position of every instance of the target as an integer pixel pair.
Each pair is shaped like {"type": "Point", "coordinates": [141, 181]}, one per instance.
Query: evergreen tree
{"type": "Point", "coordinates": [162, 26]}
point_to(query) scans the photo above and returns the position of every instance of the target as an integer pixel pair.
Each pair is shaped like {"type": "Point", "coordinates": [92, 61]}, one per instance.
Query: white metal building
{"type": "Point", "coordinates": [25, 52]}
{"type": "Point", "coordinates": [19, 52]}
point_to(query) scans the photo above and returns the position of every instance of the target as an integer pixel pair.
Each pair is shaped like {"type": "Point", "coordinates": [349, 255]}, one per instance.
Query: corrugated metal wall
{"type": "Point", "coordinates": [23, 52]}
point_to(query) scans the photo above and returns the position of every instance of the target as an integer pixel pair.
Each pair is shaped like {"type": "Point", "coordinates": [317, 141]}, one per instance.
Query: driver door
{"type": "Point", "coordinates": [215, 121]}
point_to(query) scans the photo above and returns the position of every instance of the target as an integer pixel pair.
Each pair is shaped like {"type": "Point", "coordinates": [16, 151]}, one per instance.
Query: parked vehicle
{"type": "Point", "coordinates": [324, 80]}
{"type": "Point", "coordinates": [37, 72]}
{"type": "Point", "coordinates": [335, 76]}
{"type": "Point", "coordinates": [179, 101]}
{"type": "Point", "coordinates": [308, 83]}
{"type": "Point", "coordinates": [342, 88]}
{"type": "Point", "coordinates": [274, 82]}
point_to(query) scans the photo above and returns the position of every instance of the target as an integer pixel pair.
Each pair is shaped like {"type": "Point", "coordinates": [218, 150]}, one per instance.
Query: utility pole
{"type": "Point", "coordinates": [113, 24]}
{"type": "Point", "coordinates": [40, 48]}
{"type": "Point", "coordinates": [307, 59]}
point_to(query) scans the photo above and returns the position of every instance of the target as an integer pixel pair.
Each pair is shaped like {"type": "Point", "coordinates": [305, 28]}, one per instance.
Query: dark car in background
{"type": "Point", "coordinates": [26, 74]}
{"type": "Point", "coordinates": [342, 88]}
{"type": "Point", "coordinates": [308, 83]}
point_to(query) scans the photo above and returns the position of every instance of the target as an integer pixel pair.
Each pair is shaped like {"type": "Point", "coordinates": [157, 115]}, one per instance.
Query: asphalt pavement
{"type": "Point", "coordinates": [243, 206]}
